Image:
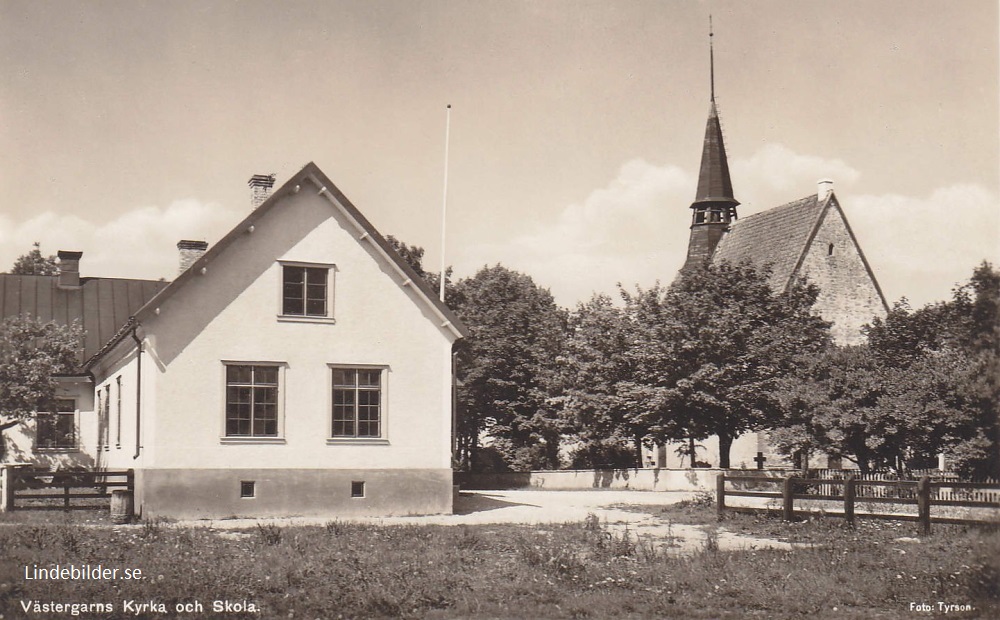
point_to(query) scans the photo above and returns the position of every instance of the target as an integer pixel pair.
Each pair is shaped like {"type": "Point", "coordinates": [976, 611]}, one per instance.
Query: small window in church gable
{"type": "Point", "coordinates": [829, 250]}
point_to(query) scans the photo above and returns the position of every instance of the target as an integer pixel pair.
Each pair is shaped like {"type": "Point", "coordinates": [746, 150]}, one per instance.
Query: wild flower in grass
{"type": "Point", "coordinates": [269, 534]}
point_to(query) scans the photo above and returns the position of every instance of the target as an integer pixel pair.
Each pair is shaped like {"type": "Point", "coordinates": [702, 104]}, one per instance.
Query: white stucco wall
{"type": "Point", "coordinates": [19, 441]}
{"type": "Point", "coordinates": [121, 450]}
{"type": "Point", "coordinates": [231, 314]}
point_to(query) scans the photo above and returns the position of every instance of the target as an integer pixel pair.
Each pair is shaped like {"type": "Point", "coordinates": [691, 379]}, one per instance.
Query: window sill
{"type": "Point", "coordinates": [357, 441]}
{"type": "Point", "coordinates": [57, 450]}
{"type": "Point", "coordinates": [294, 318]}
{"type": "Point", "coordinates": [252, 440]}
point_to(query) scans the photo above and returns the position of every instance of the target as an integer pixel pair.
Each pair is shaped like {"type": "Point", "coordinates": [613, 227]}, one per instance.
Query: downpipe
{"type": "Point", "coordinates": [138, 392]}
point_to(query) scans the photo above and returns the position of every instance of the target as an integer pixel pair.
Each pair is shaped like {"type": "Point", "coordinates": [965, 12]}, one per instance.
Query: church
{"type": "Point", "coordinates": [809, 237]}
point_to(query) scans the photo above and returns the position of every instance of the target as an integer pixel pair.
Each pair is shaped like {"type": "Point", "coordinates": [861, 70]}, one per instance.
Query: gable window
{"type": "Point", "coordinates": [251, 400]}
{"type": "Point", "coordinates": [57, 429]}
{"type": "Point", "coordinates": [357, 403]}
{"type": "Point", "coordinates": [305, 291]}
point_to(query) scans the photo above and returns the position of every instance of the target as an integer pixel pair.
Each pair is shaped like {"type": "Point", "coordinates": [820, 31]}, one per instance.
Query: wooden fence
{"type": "Point", "coordinates": [32, 489]}
{"type": "Point", "coordinates": [923, 493]}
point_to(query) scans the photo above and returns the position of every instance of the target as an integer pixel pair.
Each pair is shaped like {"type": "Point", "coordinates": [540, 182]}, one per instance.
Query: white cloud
{"type": "Point", "coordinates": [141, 243]}
{"type": "Point", "coordinates": [634, 230]}
{"type": "Point", "coordinates": [775, 174]}
{"type": "Point", "coordinates": [920, 247]}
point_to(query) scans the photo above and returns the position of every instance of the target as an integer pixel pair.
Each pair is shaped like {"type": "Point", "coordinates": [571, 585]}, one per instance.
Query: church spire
{"type": "Point", "coordinates": [711, 58]}
{"type": "Point", "coordinates": [714, 206]}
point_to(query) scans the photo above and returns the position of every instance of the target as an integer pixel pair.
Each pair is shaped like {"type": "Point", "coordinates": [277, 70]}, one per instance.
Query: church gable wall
{"type": "Point", "coordinates": [848, 295]}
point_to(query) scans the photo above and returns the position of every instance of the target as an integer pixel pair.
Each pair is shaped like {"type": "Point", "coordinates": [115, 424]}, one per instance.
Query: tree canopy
{"type": "Point", "coordinates": [413, 255]}
{"type": "Point", "coordinates": [34, 263]}
{"type": "Point", "coordinates": [711, 349]}
{"type": "Point", "coordinates": [592, 368]}
{"type": "Point", "coordinates": [925, 382]}
{"type": "Point", "coordinates": [505, 369]}
{"type": "Point", "coordinates": [31, 352]}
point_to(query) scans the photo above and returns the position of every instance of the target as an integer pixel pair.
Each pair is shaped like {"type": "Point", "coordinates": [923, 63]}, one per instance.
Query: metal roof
{"type": "Point", "coordinates": [714, 183]}
{"type": "Point", "coordinates": [101, 305]}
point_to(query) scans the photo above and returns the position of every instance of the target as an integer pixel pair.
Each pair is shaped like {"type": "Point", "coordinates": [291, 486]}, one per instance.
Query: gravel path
{"type": "Point", "coordinates": [532, 507]}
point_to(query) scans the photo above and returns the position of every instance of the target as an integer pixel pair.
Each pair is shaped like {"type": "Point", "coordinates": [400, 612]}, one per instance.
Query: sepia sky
{"type": "Point", "coordinates": [575, 135]}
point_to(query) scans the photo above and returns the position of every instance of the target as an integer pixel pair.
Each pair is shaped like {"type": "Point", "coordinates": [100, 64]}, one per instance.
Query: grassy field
{"type": "Point", "coordinates": [576, 570]}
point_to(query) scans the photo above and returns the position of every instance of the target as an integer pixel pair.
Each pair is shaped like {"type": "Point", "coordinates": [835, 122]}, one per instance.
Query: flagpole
{"type": "Point", "coordinates": [444, 201]}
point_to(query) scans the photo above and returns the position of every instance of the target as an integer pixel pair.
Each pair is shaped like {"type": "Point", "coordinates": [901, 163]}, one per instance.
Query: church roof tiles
{"type": "Point", "coordinates": [777, 237]}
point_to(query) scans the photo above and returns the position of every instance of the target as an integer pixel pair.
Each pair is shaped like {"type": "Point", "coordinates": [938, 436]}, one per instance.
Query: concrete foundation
{"type": "Point", "coordinates": [221, 493]}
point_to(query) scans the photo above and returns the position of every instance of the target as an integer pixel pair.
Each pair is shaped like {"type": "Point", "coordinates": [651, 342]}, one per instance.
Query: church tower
{"type": "Point", "coordinates": [714, 207]}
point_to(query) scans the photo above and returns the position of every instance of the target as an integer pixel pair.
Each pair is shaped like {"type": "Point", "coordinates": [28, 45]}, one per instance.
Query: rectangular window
{"type": "Point", "coordinates": [248, 488]}
{"type": "Point", "coordinates": [118, 408]}
{"type": "Point", "coordinates": [358, 489]}
{"type": "Point", "coordinates": [251, 401]}
{"type": "Point", "coordinates": [304, 291]}
{"type": "Point", "coordinates": [357, 402]}
{"type": "Point", "coordinates": [57, 429]}
{"type": "Point", "coordinates": [104, 418]}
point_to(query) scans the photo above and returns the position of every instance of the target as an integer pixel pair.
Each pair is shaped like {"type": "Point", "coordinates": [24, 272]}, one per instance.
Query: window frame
{"type": "Point", "coordinates": [328, 317]}
{"type": "Point", "coordinates": [383, 437]}
{"type": "Point", "coordinates": [76, 427]}
{"type": "Point", "coordinates": [104, 419]}
{"type": "Point", "coordinates": [118, 407]}
{"type": "Point", "coordinates": [279, 437]}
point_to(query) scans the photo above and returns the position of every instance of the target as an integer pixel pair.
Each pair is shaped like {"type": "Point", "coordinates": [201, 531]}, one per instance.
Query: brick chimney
{"type": "Point", "coordinates": [824, 187]}
{"type": "Point", "coordinates": [69, 268]}
{"type": "Point", "coordinates": [260, 188]}
{"type": "Point", "coordinates": [190, 251]}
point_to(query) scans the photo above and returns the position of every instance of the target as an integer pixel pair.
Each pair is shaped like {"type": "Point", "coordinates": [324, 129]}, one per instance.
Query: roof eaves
{"type": "Point", "coordinates": [861, 253]}
{"type": "Point", "coordinates": [823, 208]}
{"type": "Point", "coordinates": [367, 231]}
{"type": "Point", "coordinates": [110, 344]}
{"type": "Point", "coordinates": [312, 173]}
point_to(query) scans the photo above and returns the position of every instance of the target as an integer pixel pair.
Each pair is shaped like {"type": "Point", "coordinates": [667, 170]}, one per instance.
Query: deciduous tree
{"type": "Point", "coordinates": [31, 352]}
{"type": "Point", "coordinates": [925, 382]}
{"type": "Point", "coordinates": [506, 367]}
{"type": "Point", "coordinates": [591, 371]}
{"type": "Point", "coordinates": [712, 349]}
{"type": "Point", "coordinates": [34, 263]}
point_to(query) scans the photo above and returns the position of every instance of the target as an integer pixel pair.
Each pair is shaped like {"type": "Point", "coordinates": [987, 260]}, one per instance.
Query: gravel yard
{"type": "Point", "coordinates": [530, 507]}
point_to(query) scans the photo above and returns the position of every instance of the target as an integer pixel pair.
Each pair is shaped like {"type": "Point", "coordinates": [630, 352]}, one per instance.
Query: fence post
{"type": "Point", "coordinates": [6, 488]}
{"type": "Point", "coordinates": [850, 492]}
{"type": "Point", "coordinates": [788, 512]}
{"type": "Point", "coordinates": [924, 504]}
{"type": "Point", "coordinates": [720, 494]}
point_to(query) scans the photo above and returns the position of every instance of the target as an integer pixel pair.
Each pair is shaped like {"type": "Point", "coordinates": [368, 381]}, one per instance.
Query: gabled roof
{"type": "Point", "coordinates": [309, 178]}
{"type": "Point", "coordinates": [778, 237]}
{"type": "Point", "coordinates": [101, 305]}
{"type": "Point", "coordinates": [781, 237]}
